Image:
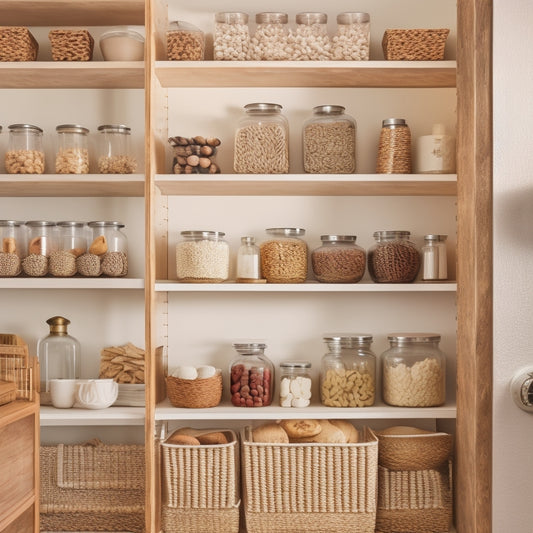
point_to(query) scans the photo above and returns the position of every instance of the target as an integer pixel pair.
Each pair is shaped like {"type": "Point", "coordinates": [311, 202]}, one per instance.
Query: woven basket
{"type": "Point", "coordinates": [415, 45]}
{"type": "Point", "coordinates": [17, 44]}
{"type": "Point", "coordinates": [201, 487]}
{"type": "Point", "coordinates": [20, 369]}
{"type": "Point", "coordinates": [195, 393]}
{"type": "Point", "coordinates": [71, 45]}
{"type": "Point", "coordinates": [299, 488]}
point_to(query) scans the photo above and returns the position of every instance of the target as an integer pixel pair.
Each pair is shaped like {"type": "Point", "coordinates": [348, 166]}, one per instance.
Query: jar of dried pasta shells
{"type": "Point", "coordinates": [25, 154]}
{"type": "Point", "coordinates": [72, 155]}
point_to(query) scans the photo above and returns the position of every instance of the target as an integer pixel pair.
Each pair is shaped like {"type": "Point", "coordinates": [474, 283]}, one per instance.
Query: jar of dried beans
{"type": "Point", "coordinates": [42, 242]}
{"type": "Point", "coordinates": [414, 370]}
{"type": "Point", "coordinates": [262, 141]}
{"type": "Point", "coordinates": [25, 154]}
{"type": "Point", "coordinates": [72, 243]}
{"type": "Point", "coordinates": [269, 42]}
{"type": "Point", "coordinates": [351, 41]}
{"type": "Point", "coordinates": [310, 40]}
{"type": "Point", "coordinates": [114, 150]}
{"type": "Point", "coordinates": [394, 149]}
{"type": "Point", "coordinates": [110, 245]}
{"type": "Point", "coordinates": [284, 256]}
{"type": "Point", "coordinates": [329, 141]}
{"type": "Point", "coordinates": [231, 41]}
{"type": "Point", "coordinates": [393, 258]}
{"type": "Point", "coordinates": [72, 154]}
{"type": "Point", "coordinates": [13, 236]}
{"type": "Point", "coordinates": [252, 376]}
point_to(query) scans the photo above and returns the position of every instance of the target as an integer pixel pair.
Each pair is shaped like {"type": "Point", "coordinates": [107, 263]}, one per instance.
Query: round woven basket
{"type": "Point", "coordinates": [196, 393]}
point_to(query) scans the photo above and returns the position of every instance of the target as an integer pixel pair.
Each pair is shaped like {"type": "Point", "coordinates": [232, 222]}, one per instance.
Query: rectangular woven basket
{"type": "Point", "coordinates": [71, 45]}
{"type": "Point", "coordinates": [297, 488]}
{"type": "Point", "coordinates": [17, 44]}
{"type": "Point", "coordinates": [415, 45]}
{"type": "Point", "coordinates": [17, 366]}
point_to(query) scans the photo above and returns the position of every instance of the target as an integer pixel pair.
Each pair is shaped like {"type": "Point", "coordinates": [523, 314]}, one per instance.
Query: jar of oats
{"type": "Point", "coordinates": [231, 41]}
{"type": "Point", "coordinates": [115, 155]}
{"type": "Point", "coordinates": [72, 154]}
{"type": "Point", "coordinates": [13, 238]}
{"type": "Point", "coordinates": [310, 40]}
{"type": "Point", "coordinates": [42, 242]}
{"type": "Point", "coordinates": [351, 41]}
{"type": "Point", "coordinates": [72, 243]}
{"type": "Point", "coordinates": [284, 256]}
{"type": "Point", "coordinates": [110, 245]}
{"type": "Point", "coordinates": [329, 141]}
{"type": "Point", "coordinates": [25, 154]}
{"type": "Point", "coordinates": [414, 370]}
{"type": "Point", "coordinates": [270, 40]}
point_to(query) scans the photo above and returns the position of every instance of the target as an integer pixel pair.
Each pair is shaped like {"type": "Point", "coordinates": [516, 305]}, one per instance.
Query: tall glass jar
{"type": "Point", "coordinates": [59, 356]}
{"type": "Point", "coordinates": [231, 41]}
{"type": "Point", "coordinates": [394, 150]}
{"type": "Point", "coordinates": [110, 244]}
{"type": "Point", "coordinates": [284, 256]}
{"type": "Point", "coordinates": [329, 141]}
{"type": "Point", "coordinates": [13, 237]}
{"type": "Point", "coordinates": [72, 154]}
{"type": "Point", "coordinates": [393, 258]}
{"type": "Point", "coordinates": [252, 376]}
{"type": "Point", "coordinates": [262, 141]}
{"type": "Point", "coordinates": [295, 384]}
{"type": "Point", "coordinates": [351, 41]}
{"type": "Point", "coordinates": [42, 241]}
{"type": "Point", "coordinates": [414, 370]}
{"type": "Point", "coordinates": [348, 371]}
{"type": "Point", "coordinates": [248, 261]}
{"type": "Point", "coordinates": [270, 40]}
{"type": "Point", "coordinates": [25, 154]}
{"type": "Point", "coordinates": [310, 40]}
{"type": "Point", "coordinates": [115, 154]}
{"type": "Point", "coordinates": [72, 243]}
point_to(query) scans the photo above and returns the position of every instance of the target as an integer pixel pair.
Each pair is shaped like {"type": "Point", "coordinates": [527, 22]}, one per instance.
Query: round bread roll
{"type": "Point", "coordinates": [299, 429]}
{"type": "Point", "coordinates": [349, 430]}
{"type": "Point", "coordinates": [271, 433]}
{"type": "Point", "coordinates": [215, 437]}
{"type": "Point", "coordinates": [187, 440]}
{"type": "Point", "coordinates": [402, 430]}
{"type": "Point", "coordinates": [329, 434]}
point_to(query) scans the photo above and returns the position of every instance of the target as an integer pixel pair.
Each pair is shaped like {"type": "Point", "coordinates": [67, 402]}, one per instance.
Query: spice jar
{"type": "Point", "coordinates": [329, 141]}
{"type": "Point", "coordinates": [114, 150]}
{"type": "Point", "coordinates": [262, 141]}
{"type": "Point", "coordinates": [338, 260]}
{"type": "Point", "coordinates": [393, 258]}
{"type": "Point", "coordinates": [110, 244]}
{"type": "Point", "coordinates": [42, 241]}
{"type": "Point", "coordinates": [231, 41]}
{"type": "Point", "coordinates": [348, 371]}
{"type": "Point", "coordinates": [434, 258]}
{"type": "Point", "coordinates": [13, 236]}
{"type": "Point", "coordinates": [351, 41]}
{"type": "Point", "coordinates": [394, 150]}
{"type": "Point", "coordinates": [270, 40]}
{"type": "Point", "coordinates": [202, 257]}
{"type": "Point", "coordinates": [248, 261]}
{"type": "Point", "coordinates": [185, 42]}
{"type": "Point", "coordinates": [25, 154]}
{"type": "Point", "coordinates": [284, 256]}
{"type": "Point", "coordinates": [310, 40]}
{"type": "Point", "coordinates": [414, 370]}
{"type": "Point", "coordinates": [72, 155]}
{"type": "Point", "coordinates": [72, 243]}
{"type": "Point", "coordinates": [252, 376]}
{"type": "Point", "coordinates": [295, 384]}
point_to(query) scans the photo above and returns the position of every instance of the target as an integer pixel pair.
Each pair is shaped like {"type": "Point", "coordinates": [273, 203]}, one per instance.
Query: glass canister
{"type": "Point", "coordinates": [252, 376]}
{"type": "Point", "coordinates": [284, 256]}
{"type": "Point", "coordinates": [231, 41]}
{"type": "Point", "coordinates": [202, 257]}
{"type": "Point", "coordinates": [348, 371]}
{"type": "Point", "coordinates": [59, 355]}
{"type": "Point", "coordinates": [270, 39]}
{"type": "Point", "coordinates": [434, 258]}
{"type": "Point", "coordinates": [262, 141]}
{"type": "Point", "coordinates": [72, 154]}
{"type": "Point", "coordinates": [42, 241]}
{"type": "Point", "coordinates": [329, 141]}
{"type": "Point", "coordinates": [338, 260]}
{"type": "Point", "coordinates": [110, 244]}
{"type": "Point", "coordinates": [115, 155]}
{"type": "Point", "coordinates": [185, 42]}
{"type": "Point", "coordinates": [295, 384]}
{"type": "Point", "coordinates": [393, 258]}
{"type": "Point", "coordinates": [351, 41]}
{"type": "Point", "coordinates": [72, 243]}
{"type": "Point", "coordinates": [25, 154]}
{"type": "Point", "coordinates": [394, 149]}
{"type": "Point", "coordinates": [248, 261]}
{"type": "Point", "coordinates": [414, 370]}
{"type": "Point", "coordinates": [310, 39]}
{"type": "Point", "coordinates": [13, 235]}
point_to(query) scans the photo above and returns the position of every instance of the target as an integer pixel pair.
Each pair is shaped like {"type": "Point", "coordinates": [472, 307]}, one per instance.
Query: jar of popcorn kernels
{"type": "Point", "coordinates": [114, 150]}
{"type": "Point", "coordinates": [270, 40]}
{"type": "Point", "coordinates": [72, 155]}
{"type": "Point", "coordinates": [310, 41]}
{"type": "Point", "coordinates": [231, 41]}
{"type": "Point", "coordinates": [351, 41]}
{"type": "Point", "coordinates": [25, 154]}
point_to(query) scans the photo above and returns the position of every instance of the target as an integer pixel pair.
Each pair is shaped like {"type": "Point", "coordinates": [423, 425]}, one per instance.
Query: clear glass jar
{"type": "Point", "coordinates": [185, 42]}
{"type": "Point", "coordinates": [434, 258]}
{"type": "Point", "coordinates": [252, 376]}
{"type": "Point", "coordinates": [351, 41]}
{"type": "Point", "coordinates": [348, 371]}
{"type": "Point", "coordinates": [338, 260]}
{"type": "Point", "coordinates": [284, 256]}
{"type": "Point", "coordinates": [248, 261]}
{"type": "Point", "coordinates": [231, 41]}
{"type": "Point", "coordinates": [270, 40]}
{"type": "Point", "coordinates": [262, 141]}
{"type": "Point", "coordinates": [115, 155]}
{"type": "Point", "coordinates": [202, 257]}
{"type": "Point", "coordinates": [25, 154]}
{"type": "Point", "coordinates": [329, 141]}
{"type": "Point", "coordinates": [393, 258]}
{"type": "Point", "coordinates": [310, 39]}
{"type": "Point", "coordinates": [13, 236]}
{"type": "Point", "coordinates": [414, 370]}
{"type": "Point", "coordinates": [122, 44]}
{"type": "Point", "coordinates": [435, 153]}
{"type": "Point", "coordinates": [72, 154]}
{"type": "Point", "coordinates": [295, 384]}
{"type": "Point", "coordinates": [72, 243]}
{"type": "Point", "coordinates": [42, 241]}
{"type": "Point", "coordinates": [394, 150]}
{"type": "Point", "coordinates": [110, 244]}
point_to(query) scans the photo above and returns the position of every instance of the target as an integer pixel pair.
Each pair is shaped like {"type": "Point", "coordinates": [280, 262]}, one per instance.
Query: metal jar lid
{"type": "Point", "coordinates": [232, 17]}
{"type": "Point", "coordinates": [435, 237]}
{"type": "Point", "coordinates": [25, 127]}
{"type": "Point", "coordinates": [11, 223]}
{"type": "Point", "coordinates": [72, 128]}
{"type": "Point", "coordinates": [70, 224]}
{"type": "Point", "coordinates": [249, 348]}
{"type": "Point", "coordinates": [413, 337]}
{"type": "Point", "coordinates": [114, 128]}
{"type": "Point", "coordinates": [295, 364]}
{"type": "Point", "coordinates": [338, 238]}
{"type": "Point", "coordinates": [105, 224]}
{"type": "Point", "coordinates": [329, 110]}
{"type": "Point", "coordinates": [40, 223]}
{"type": "Point", "coordinates": [309, 18]}
{"type": "Point", "coordinates": [387, 234]}
{"type": "Point", "coordinates": [203, 234]}
{"type": "Point", "coordinates": [353, 18]}
{"type": "Point", "coordinates": [393, 122]}
{"type": "Point", "coordinates": [261, 107]}
{"type": "Point", "coordinates": [286, 232]}
{"type": "Point", "coordinates": [271, 18]}
{"type": "Point", "coordinates": [348, 340]}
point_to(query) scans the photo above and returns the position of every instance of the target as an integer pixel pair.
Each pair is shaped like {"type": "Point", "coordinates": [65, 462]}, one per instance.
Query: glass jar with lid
{"type": "Point", "coordinates": [434, 258]}
{"type": "Point", "coordinates": [185, 42]}
{"type": "Point", "coordinates": [248, 261]}
{"type": "Point", "coordinates": [72, 242]}
{"type": "Point", "coordinates": [25, 154]}
{"type": "Point", "coordinates": [115, 154]}
{"type": "Point", "coordinates": [284, 256]}
{"type": "Point", "coordinates": [252, 376]}
{"type": "Point", "coordinates": [329, 141]}
{"type": "Point", "coordinates": [262, 141]}
{"type": "Point", "coordinates": [13, 238]}
{"type": "Point", "coordinates": [110, 244]}
{"type": "Point", "coordinates": [310, 40]}
{"type": "Point", "coordinates": [202, 257]}
{"type": "Point", "coordinates": [270, 39]}
{"type": "Point", "coordinates": [394, 149]}
{"type": "Point", "coordinates": [295, 384]}
{"type": "Point", "coordinates": [42, 241]}
{"type": "Point", "coordinates": [122, 43]}
{"type": "Point", "coordinates": [348, 371]}
{"type": "Point", "coordinates": [231, 41]}
{"type": "Point", "coordinates": [72, 154]}
{"type": "Point", "coordinates": [351, 41]}
{"type": "Point", "coordinates": [414, 370]}
{"type": "Point", "coordinates": [393, 258]}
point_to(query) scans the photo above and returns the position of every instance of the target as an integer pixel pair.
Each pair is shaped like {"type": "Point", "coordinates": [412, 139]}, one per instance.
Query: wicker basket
{"type": "Point", "coordinates": [17, 44]}
{"type": "Point", "coordinates": [195, 393]}
{"type": "Point", "coordinates": [71, 45]}
{"type": "Point", "coordinates": [17, 366]}
{"type": "Point", "coordinates": [297, 488]}
{"type": "Point", "coordinates": [201, 487]}
{"type": "Point", "coordinates": [8, 392]}
{"type": "Point", "coordinates": [415, 45]}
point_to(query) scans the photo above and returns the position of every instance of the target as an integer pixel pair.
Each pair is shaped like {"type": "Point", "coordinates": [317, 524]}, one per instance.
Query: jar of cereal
{"type": "Point", "coordinates": [114, 150]}
{"type": "Point", "coordinates": [42, 242]}
{"type": "Point", "coordinates": [351, 41]}
{"type": "Point", "coordinates": [72, 243]}
{"type": "Point", "coordinates": [110, 245]}
{"type": "Point", "coordinates": [270, 40]}
{"type": "Point", "coordinates": [231, 41]}
{"type": "Point", "coordinates": [13, 235]}
{"type": "Point", "coordinates": [72, 155]}
{"type": "Point", "coordinates": [310, 40]}
{"type": "Point", "coordinates": [25, 154]}
{"type": "Point", "coordinates": [295, 384]}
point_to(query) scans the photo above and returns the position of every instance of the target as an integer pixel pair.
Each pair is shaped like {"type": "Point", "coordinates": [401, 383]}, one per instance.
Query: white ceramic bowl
{"type": "Point", "coordinates": [96, 393]}
{"type": "Point", "coordinates": [122, 44]}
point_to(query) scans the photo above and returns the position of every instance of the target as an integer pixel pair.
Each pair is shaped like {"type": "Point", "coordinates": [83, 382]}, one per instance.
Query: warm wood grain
{"type": "Point", "coordinates": [25, 523]}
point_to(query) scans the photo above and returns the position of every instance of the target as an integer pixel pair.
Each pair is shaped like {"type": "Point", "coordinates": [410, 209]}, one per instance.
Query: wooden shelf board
{"type": "Point", "coordinates": [71, 283]}
{"type": "Point", "coordinates": [112, 416]}
{"type": "Point", "coordinates": [16, 410]}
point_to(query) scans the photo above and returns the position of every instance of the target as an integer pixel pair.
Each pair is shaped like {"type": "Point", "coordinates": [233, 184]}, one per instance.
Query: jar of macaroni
{"type": "Point", "coordinates": [310, 39]}
{"type": "Point", "coordinates": [270, 40]}
{"type": "Point", "coordinates": [13, 238]}
{"type": "Point", "coordinates": [295, 384]}
{"type": "Point", "coordinates": [115, 155]}
{"type": "Point", "coordinates": [25, 154]}
{"type": "Point", "coordinates": [231, 41]}
{"type": "Point", "coordinates": [351, 41]}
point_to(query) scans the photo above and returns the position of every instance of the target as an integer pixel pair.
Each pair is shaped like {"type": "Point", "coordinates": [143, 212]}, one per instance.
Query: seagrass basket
{"type": "Point", "coordinates": [415, 44]}
{"type": "Point", "coordinates": [195, 393]}
{"type": "Point", "coordinates": [17, 44]}
{"type": "Point", "coordinates": [71, 45]}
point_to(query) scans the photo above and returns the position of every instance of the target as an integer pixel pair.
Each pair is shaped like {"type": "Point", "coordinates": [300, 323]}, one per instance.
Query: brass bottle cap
{"type": "Point", "coordinates": [58, 325]}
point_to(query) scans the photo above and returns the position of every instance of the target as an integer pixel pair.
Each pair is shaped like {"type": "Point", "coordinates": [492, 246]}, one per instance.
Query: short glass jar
{"type": "Point", "coordinates": [262, 141]}
{"type": "Point", "coordinates": [122, 44]}
{"type": "Point", "coordinates": [185, 42]}
{"type": "Point", "coordinates": [434, 258]}
{"type": "Point", "coordinates": [72, 243]}
{"type": "Point", "coordinates": [295, 384]}
{"type": "Point", "coordinates": [13, 238]}
{"type": "Point", "coordinates": [393, 258]}
{"type": "Point", "coordinates": [351, 41]}
{"type": "Point", "coordinates": [348, 371]}
{"type": "Point", "coordinates": [115, 155]}
{"type": "Point", "coordinates": [110, 244]}
{"type": "Point", "coordinates": [252, 376]}
{"type": "Point", "coordinates": [284, 256]}
{"type": "Point", "coordinates": [310, 39]}
{"type": "Point", "coordinates": [202, 257]}
{"type": "Point", "coordinates": [414, 370]}
{"type": "Point", "coordinates": [394, 149]}
{"type": "Point", "coordinates": [329, 141]}
{"type": "Point", "coordinates": [338, 260]}
{"type": "Point", "coordinates": [42, 241]}
{"type": "Point", "coordinates": [231, 41]}
{"type": "Point", "coordinates": [270, 40]}
{"type": "Point", "coordinates": [72, 154]}
{"type": "Point", "coordinates": [248, 261]}
{"type": "Point", "coordinates": [25, 154]}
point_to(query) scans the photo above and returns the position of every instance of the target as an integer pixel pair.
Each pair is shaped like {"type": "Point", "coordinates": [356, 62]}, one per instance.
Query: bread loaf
{"type": "Point", "coordinates": [270, 433]}
{"type": "Point", "coordinates": [349, 430]}
{"type": "Point", "coordinates": [297, 429]}
{"type": "Point", "coordinates": [329, 434]}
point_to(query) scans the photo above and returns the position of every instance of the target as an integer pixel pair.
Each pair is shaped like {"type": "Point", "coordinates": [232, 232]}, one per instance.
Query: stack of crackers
{"type": "Point", "coordinates": [124, 364]}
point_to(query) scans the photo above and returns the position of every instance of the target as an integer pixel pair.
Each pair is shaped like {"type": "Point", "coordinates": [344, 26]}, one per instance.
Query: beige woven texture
{"type": "Point", "coordinates": [71, 45]}
{"type": "Point", "coordinates": [16, 365]}
{"type": "Point", "coordinates": [195, 393]}
{"type": "Point", "coordinates": [415, 44]}
{"type": "Point", "coordinates": [17, 44]}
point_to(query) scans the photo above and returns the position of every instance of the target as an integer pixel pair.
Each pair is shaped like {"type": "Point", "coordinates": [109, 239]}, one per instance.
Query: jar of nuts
{"type": "Point", "coordinates": [114, 150]}
{"type": "Point", "coordinates": [252, 376]}
{"type": "Point", "coordinates": [295, 384]}
{"type": "Point", "coordinates": [270, 40]}
{"type": "Point", "coordinates": [13, 236]}
{"type": "Point", "coordinates": [414, 370]}
{"type": "Point", "coordinates": [72, 243]}
{"type": "Point", "coordinates": [310, 40]}
{"type": "Point", "coordinates": [108, 250]}
{"type": "Point", "coordinates": [231, 41]}
{"type": "Point", "coordinates": [25, 154]}
{"type": "Point", "coordinates": [348, 371]}
{"type": "Point", "coordinates": [351, 41]}
{"type": "Point", "coordinates": [185, 42]}
{"type": "Point", "coordinates": [42, 242]}
{"type": "Point", "coordinates": [72, 155]}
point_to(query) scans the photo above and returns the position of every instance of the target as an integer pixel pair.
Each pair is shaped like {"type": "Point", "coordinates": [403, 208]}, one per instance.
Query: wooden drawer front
{"type": "Point", "coordinates": [23, 524]}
